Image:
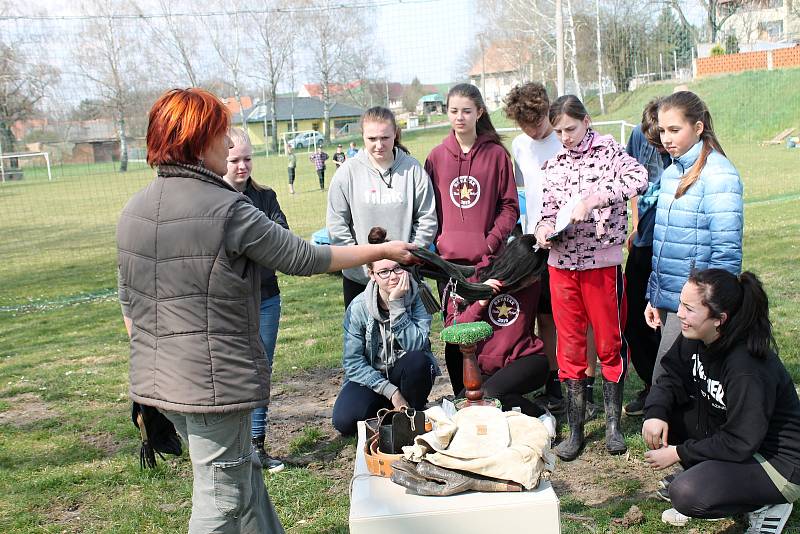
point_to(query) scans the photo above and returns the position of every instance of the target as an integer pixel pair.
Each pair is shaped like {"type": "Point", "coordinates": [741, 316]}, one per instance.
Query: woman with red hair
{"type": "Point", "coordinates": [190, 249]}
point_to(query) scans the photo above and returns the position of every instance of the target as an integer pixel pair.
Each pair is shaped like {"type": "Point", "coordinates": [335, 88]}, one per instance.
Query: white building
{"type": "Point", "coordinates": [497, 70]}
{"type": "Point", "coordinates": [755, 21]}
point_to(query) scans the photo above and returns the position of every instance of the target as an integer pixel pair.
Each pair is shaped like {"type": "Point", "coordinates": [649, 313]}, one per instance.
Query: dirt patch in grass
{"type": "Point", "coordinates": [25, 409]}
{"type": "Point", "coordinates": [305, 401]}
{"type": "Point", "coordinates": [107, 443]}
{"type": "Point", "coordinates": [68, 518]}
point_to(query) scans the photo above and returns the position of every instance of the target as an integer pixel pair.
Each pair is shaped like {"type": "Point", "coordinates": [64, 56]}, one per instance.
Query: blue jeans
{"type": "Point", "coordinates": [228, 491]}
{"type": "Point", "coordinates": [268, 330]}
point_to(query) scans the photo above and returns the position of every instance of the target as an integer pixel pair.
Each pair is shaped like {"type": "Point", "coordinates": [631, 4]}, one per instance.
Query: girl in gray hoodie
{"type": "Point", "coordinates": [381, 186]}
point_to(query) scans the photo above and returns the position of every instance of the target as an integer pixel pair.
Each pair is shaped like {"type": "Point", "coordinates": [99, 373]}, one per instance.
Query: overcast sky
{"type": "Point", "coordinates": [424, 38]}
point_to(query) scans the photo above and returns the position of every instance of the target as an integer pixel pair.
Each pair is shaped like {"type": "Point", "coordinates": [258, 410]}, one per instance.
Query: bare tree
{"type": "Point", "coordinates": [106, 56]}
{"type": "Point", "coordinates": [573, 50]}
{"type": "Point", "coordinates": [227, 37]}
{"type": "Point", "coordinates": [624, 34]}
{"type": "Point", "coordinates": [173, 37]}
{"type": "Point", "coordinates": [365, 67]}
{"type": "Point", "coordinates": [717, 12]}
{"type": "Point", "coordinates": [23, 85]}
{"type": "Point", "coordinates": [599, 58]}
{"type": "Point", "coordinates": [331, 31]}
{"type": "Point", "coordinates": [273, 37]}
{"type": "Point", "coordinates": [526, 28]}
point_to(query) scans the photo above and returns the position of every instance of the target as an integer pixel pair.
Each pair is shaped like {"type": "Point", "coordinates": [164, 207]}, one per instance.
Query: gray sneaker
{"type": "Point", "coordinates": [268, 463]}
{"type": "Point", "coordinates": [666, 481]}
{"type": "Point", "coordinates": [636, 406]}
{"type": "Point", "coordinates": [663, 494]}
{"type": "Point", "coordinates": [272, 465]}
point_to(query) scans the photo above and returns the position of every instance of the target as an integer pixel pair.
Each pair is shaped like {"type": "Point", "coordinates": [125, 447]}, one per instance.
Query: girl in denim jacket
{"type": "Point", "coordinates": [596, 177]}
{"type": "Point", "coordinates": [387, 357]}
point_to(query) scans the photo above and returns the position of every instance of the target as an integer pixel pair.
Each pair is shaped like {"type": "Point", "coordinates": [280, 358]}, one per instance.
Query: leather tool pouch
{"type": "Point", "coordinates": [399, 428]}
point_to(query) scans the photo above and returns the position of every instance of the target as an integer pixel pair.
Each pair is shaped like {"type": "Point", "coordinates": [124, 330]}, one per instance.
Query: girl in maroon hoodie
{"type": "Point", "coordinates": [473, 179]}
{"type": "Point", "coordinates": [512, 361]}
{"type": "Point", "coordinates": [473, 182]}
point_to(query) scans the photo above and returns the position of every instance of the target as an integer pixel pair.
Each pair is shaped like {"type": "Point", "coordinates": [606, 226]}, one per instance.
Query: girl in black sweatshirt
{"type": "Point", "coordinates": [726, 409]}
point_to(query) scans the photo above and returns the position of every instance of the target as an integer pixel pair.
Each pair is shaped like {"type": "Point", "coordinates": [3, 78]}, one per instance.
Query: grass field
{"type": "Point", "coordinates": [67, 448]}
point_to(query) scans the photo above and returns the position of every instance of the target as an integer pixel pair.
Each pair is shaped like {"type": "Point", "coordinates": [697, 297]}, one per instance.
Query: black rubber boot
{"type": "Point", "coordinates": [612, 398]}
{"type": "Point", "coordinates": [570, 448]}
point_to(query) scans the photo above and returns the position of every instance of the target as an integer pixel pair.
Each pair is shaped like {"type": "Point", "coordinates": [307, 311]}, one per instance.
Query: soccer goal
{"type": "Point", "coordinates": [10, 169]}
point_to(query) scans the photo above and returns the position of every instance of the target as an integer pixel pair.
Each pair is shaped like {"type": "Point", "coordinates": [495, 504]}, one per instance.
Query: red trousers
{"type": "Point", "coordinates": [593, 297]}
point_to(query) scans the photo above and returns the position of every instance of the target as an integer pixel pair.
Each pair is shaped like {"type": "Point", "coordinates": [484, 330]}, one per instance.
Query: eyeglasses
{"type": "Point", "coordinates": [386, 273]}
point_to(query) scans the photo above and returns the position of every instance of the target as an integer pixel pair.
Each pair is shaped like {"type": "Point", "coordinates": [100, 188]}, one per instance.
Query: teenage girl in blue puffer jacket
{"type": "Point", "coordinates": [699, 212]}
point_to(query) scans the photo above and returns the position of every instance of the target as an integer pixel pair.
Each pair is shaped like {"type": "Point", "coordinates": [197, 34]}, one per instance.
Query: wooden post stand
{"type": "Point", "coordinates": [471, 373]}
{"type": "Point", "coordinates": [466, 336]}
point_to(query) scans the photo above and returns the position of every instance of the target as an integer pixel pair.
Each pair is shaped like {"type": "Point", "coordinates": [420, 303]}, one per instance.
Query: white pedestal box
{"type": "Point", "coordinates": [379, 506]}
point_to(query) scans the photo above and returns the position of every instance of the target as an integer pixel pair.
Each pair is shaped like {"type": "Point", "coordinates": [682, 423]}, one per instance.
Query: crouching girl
{"type": "Point", "coordinates": [387, 354]}
{"type": "Point", "coordinates": [725, 408]}
{"type": "Point", "coordinates": [512, 361]}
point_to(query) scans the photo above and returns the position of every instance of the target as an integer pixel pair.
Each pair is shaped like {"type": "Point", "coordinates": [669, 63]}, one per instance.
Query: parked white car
{"type": "Point", "coordinates": [307, 139]}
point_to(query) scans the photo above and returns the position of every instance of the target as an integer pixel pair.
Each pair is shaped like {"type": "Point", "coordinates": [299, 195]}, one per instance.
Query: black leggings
{"type": "Point", "coordinates": [642, 339]}
{"type": "Point", "coordinates": [715, 489]}
{"type": "Point", "coordinates": [413, 374]}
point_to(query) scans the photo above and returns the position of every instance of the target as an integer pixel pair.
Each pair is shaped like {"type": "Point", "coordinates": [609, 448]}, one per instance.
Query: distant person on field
{"type": "Point", "coordinates": [190, 249]}
{"type": "Point", "coordinates": [318, 158]}
{"type": "Point", "coordinates": [352, 151]}
{"type": "Point", "coordinates": [592, 178]}
{"type": "Point", "coordinates": [699, 214]}
{"type": "Point", "coordinates": [725, 408]}
{"type": "Point", "coordinates": [291, 166]}
{"type": "Point", "coordinates": [381, 186]}
{"type": "Point", "coordinates": [240, 168]}
{"type": "Point", "coordinates": [388, 361]}
{"type": "Point", "coordinates": [644, 144]}
{"type": "Point", "coordinates": [339, 157]}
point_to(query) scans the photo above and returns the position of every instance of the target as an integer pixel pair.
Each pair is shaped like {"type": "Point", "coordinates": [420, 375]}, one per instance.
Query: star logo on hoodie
{"type": "Point", "coordinates": [503, 310]}
{"type": "Point", "coordinates": [465, 191]}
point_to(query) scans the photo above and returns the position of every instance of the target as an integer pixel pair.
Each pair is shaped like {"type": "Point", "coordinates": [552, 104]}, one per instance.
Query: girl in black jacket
{"type": "Point", "coordinates": [240, 168]}
{"type": "Point", "coordinates": [726, 409]}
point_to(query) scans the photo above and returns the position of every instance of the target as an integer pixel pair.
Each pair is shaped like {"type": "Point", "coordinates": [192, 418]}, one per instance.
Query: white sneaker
{"type": "Point", "coordinates": [769, 519]}
{"type": "Point", "coordinates": [674, 518]}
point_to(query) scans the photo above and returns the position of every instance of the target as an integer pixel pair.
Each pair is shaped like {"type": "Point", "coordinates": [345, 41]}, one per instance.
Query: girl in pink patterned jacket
{"type": "Point", "coordinates": [590, 180]}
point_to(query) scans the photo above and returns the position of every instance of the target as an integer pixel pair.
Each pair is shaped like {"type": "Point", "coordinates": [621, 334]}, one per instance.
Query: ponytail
{"type": "Point", "coordinates": [743, 300]}
{"type": "Point", "coordinates": [755, 321]}
{"type": "Point", "coordinates": [484, 125]}
{"type": "Point", "coordinates": [694, 110]}
{"type": "Point", "coordinates": [382, 114]}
